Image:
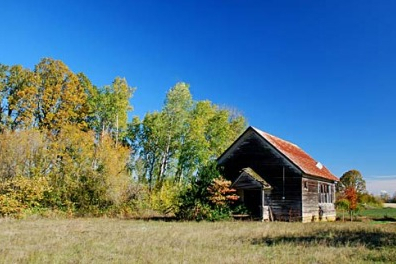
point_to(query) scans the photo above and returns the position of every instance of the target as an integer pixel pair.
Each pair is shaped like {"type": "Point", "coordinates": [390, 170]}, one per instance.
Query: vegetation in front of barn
{"type": "Point", "coordinates": [208, 197]}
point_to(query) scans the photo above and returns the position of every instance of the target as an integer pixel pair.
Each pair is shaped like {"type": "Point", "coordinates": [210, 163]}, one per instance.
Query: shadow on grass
{"type": "Point", "coordinates": [385, 219]}
{"type": "Point", "coordinates": [371, 240]}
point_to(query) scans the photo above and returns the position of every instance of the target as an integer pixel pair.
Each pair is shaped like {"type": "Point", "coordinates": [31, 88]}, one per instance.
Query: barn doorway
{"type": "Point", "coordinates": [252, 202]}
{"type": "Point", "coordinates": [252, 189]}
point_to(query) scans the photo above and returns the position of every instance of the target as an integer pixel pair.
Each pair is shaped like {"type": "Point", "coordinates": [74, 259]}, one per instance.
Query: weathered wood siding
{"type": "Point", "coordinates": [310, 202]}
{"type": "Point", "coordinates": [310, 207]}
{"type": "Point", "coordinates": [285, 198]}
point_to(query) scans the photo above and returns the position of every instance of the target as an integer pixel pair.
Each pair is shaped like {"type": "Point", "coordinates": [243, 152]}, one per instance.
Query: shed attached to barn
{"type": "Point", "coordinates": [277, 180]}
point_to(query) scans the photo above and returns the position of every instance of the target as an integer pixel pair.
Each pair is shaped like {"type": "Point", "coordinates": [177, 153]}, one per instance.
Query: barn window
{"type": "Point", "coordinates": [305, 185]}
{"type": "Point", "coordinates": [326, 193]}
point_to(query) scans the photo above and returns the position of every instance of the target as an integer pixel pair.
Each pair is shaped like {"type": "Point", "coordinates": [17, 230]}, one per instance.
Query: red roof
{"type": "Point", "coordinates": [298, 157]}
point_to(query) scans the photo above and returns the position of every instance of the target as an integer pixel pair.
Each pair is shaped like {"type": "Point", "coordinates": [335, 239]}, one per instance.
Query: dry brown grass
{"type": "Point", "coordinates": [127, 241]}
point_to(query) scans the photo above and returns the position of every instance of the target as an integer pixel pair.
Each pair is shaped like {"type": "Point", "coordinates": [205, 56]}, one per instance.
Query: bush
{"type": "Point", "coordinates": [165, 200]}
{"type": "Point", "coordinates": [207, 198]}
{"type": "Point", "coordinates": [20, 193]}
{"type": "Point", "coordinates": [368, 200]}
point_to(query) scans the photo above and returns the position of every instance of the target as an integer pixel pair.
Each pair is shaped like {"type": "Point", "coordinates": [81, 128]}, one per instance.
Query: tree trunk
{"type": "Point", "coordinates": [164, 161]}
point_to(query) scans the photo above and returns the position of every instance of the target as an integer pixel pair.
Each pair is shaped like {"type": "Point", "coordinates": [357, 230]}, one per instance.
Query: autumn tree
{"type": "Point", "coordinates": [21, 98]}
{"type": "Point", "coordinates": [79, 175]}
{"type": "Point", "coordinates": [220, 192]}
{"type": "Point", "coordinates": [47, 118]}
{"type": "Point", "coordinates": [24, 153]}
{"type": "Point", "coordinates": [351, 196]}
{"type": "Point", "coordinates": [18, 88]}
{"type": "Point", "coordinates": [350, 188]}
{"type": "Point", "coordinates": [3, 103]}
{"type": "Point", "coordinates": [60, 97]}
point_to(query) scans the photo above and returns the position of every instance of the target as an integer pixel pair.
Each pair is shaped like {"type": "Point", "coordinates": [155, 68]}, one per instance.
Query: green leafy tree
{"type": "Point", "coordinates": [352, 178]}
{"type": "Point", "coordinates": [151, 142]}
{"type": "Point", "coordinates": [109, 107]}
{"type": "Point", "coordinates": [160, 135]}
{"type": "Point", "coordinates": [343, 206]}
{"type": "Point", "coordinates": [176, 111]}
{"type": "Point", "coordinates": [211, 130]}
{"type": "Point", "coordinates": [183, 137]}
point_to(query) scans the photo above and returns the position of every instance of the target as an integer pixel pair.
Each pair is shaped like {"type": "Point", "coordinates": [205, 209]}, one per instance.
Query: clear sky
{"type": "Point", "coordinates": [321, 74]}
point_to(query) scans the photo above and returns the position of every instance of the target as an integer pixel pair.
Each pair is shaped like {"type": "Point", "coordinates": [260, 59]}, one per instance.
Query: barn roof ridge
{"type": "Point", "coordinates": [297, 156]}
{"type": "Point", "coordinates": [277, 138]}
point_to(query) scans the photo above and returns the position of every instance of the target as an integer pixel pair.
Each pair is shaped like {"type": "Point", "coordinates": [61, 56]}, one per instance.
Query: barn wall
{"type": "Point", "coordinates": [310, 202]}
{"type": "Point", "coordinates": [285, 203]}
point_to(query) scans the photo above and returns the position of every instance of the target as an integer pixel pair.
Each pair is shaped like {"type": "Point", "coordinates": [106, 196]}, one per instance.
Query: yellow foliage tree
{"type": "Point", "coordinates": [61, 98]}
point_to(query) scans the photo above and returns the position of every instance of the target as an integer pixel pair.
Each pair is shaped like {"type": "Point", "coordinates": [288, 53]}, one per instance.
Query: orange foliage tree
{"type": "Point", "coordinates": [221, 193]}
{"type": "Point", "coordinates": [351, 195]}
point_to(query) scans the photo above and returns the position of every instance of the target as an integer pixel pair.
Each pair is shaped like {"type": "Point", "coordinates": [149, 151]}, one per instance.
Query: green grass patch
{"type": "Point", "coordinates": [379, 213]}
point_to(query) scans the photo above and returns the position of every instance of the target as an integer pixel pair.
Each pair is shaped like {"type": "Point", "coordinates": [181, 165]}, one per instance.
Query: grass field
{"type": "Point", "coordinates": [130, 241]}
{"type": "Point", "coordinates": [379, 213]}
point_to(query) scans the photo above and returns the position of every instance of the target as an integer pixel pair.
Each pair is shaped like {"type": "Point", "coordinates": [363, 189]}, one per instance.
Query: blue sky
{"type": "Point", "coordinates": [321, 74]}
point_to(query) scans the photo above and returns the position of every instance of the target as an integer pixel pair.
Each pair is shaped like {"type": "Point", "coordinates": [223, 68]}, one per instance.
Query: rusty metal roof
{"type": "Point", "coordinates": [298, 157]}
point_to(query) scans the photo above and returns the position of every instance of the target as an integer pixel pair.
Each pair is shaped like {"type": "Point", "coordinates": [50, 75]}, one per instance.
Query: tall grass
{"type": "Point", "coordinates": [126, 241]}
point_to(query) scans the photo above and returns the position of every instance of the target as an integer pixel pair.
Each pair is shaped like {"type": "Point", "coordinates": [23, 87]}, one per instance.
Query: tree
{"type": "Point", "coordinates": [52, 96]}
{"type": "Point", "coordinates": [351, 187]}
{"type": "Point", "coordinates": [211, 130]}
{"type": "Point", "coordinates": [109, 107]}
{"type": "Point", "coordinates": [351, 196]}
{"type": "Point", "coordinates": [343, 205]}
{"type": "Point", "coordinates": [221, 193]}
{"type": "Point", "coordinates": [151, 141]}
{"type": "Point", "coordinates": [21, 98]}
{"type": "Point", "coordinates": [160, 135]}
{"type": "Point", "coordinates": [82, 175]}
{"type": "Point", "coordinates": [182, 138]}
{"type": "Point", "coordinates": [176, 111]}
{"type": "Point", "coordinates": [3, 91]}
{"type": "Point", "coordinates": [393, 199]}
{"type": "Point", "coordinates": [352, 178]}
{"type": "Point", "coordinates": [60, 97]}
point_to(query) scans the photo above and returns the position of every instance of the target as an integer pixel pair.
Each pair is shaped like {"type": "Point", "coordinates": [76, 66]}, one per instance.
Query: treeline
{"type": "Point", "coordinates": [66, 145]}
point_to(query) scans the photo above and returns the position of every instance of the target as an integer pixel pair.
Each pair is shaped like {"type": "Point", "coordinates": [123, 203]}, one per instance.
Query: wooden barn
{"type": "Point", "coordinates": [277, 181]}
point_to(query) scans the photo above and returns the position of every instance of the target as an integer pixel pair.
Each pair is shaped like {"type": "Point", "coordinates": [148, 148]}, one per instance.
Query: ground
{"type": "Point", "coordinates": [102, 240]}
